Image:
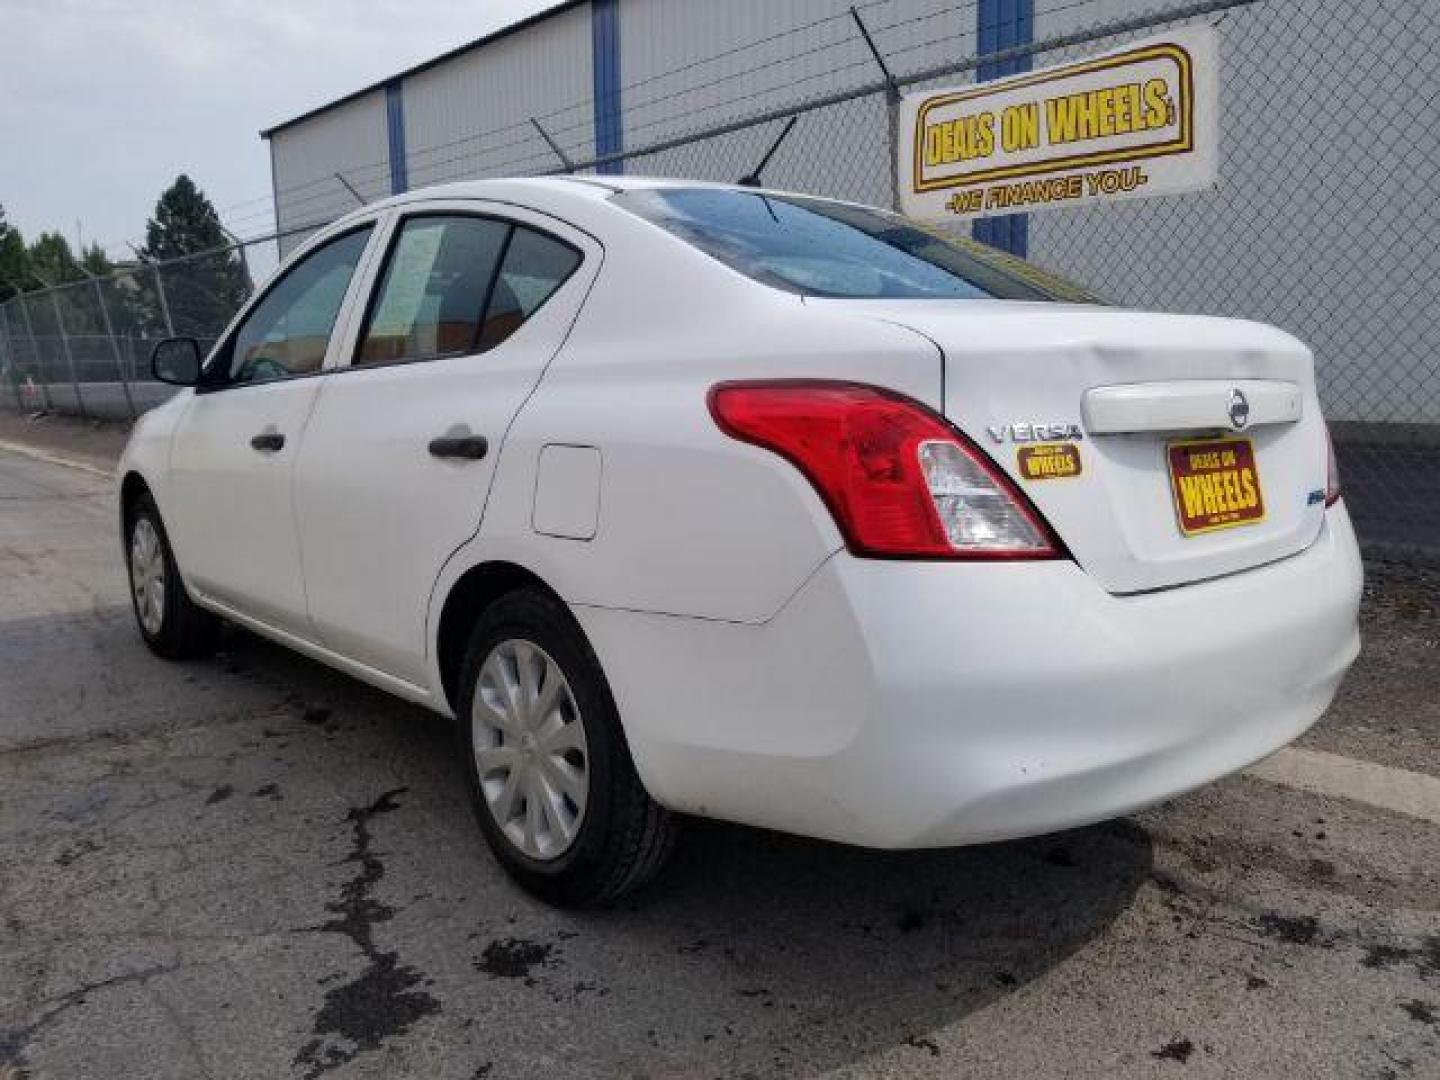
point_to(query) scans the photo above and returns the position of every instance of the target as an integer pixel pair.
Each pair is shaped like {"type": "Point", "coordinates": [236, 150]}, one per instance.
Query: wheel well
{"type": "Point", "coordinates": [131, 488]}
{"type": "Point", "coordinates": [476, 590]}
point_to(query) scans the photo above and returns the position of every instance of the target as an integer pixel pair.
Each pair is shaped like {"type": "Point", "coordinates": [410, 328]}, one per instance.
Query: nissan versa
{"type": "Point", "coordinates": [699, 499]}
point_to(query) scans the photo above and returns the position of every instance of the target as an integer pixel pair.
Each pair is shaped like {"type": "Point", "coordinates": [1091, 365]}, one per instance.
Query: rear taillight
{"type": "Point", "coordinates": [899, 480]}
{"type": "Point", "coordinates": [1332, 472]}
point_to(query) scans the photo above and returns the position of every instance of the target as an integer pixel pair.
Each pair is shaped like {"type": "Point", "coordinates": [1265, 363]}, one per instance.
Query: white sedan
{"type": "Point", "coordinates": [699, 499]}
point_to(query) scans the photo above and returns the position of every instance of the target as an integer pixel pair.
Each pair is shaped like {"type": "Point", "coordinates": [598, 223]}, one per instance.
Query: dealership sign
{"type": "Point", "coordinates": [1138, 121]}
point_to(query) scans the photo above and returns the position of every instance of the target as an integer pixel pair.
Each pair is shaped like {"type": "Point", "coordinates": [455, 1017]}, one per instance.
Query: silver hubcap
{"type": "Point", "coordinates": [147, 575]}
{"type": "Point", "coordinates": [530, 749]}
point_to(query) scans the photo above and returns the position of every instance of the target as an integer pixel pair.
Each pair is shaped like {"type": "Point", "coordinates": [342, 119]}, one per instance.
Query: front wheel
{"type": "Point", "coordinates": [552, 781]}
{"type": "Point", "coordinates": [169, 621]}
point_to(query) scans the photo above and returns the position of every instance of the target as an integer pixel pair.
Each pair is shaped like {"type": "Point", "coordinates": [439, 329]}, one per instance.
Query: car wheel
{"type": "Point", "coordinates": [552, 781]}
{"type": "Point", "coordinates": [169, 621]}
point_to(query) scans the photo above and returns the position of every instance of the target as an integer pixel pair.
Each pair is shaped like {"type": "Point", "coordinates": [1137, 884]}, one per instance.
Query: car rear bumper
{"type": "Point", "coordinates": [895, 704]}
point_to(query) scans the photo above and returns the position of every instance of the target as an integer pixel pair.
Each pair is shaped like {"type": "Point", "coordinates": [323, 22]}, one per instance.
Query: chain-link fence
{"type": "Point", "coordinates": [83, 348]}
{"type": "Point", "coordinates": [1324, 221]}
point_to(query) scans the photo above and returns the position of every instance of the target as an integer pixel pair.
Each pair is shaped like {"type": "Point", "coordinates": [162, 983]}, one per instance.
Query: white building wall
{"type": "Point", "coordinates": [470, 116]}
{"type": "Point", "coordinates": [699, 63]}
{"type": "Point", "coordinates": [350, 139]}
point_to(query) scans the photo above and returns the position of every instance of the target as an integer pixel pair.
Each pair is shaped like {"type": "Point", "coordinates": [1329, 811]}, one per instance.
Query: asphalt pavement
{"type": "Point", "coordinates": [254, 867]}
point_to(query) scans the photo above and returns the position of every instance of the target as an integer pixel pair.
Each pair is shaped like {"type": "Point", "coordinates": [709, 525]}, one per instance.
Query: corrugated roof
{"type": "Point", "coordinates": [505, 31]}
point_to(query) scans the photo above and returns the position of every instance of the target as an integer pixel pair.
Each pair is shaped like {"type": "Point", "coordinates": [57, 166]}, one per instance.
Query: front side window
{"type": "Point", "coordinates": [459, 284]}
{"type": "Point", "coordinates": [287, 332]}
{"type": "Point", "coordinates": [815, 247]}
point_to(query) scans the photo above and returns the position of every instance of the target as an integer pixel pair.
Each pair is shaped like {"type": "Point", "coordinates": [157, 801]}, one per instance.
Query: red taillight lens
{"type": "Point", "coordinates": [1332, 472]}
{"type": "Point", "coordinates": [899, 481]}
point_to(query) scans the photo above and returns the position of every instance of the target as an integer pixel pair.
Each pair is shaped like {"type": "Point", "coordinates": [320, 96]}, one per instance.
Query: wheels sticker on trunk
{"type": "Point", "coordinates": [1049, 461]}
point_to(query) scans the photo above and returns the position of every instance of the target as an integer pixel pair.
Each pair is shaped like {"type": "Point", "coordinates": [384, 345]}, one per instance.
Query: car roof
{"type": "Point", "coordinates": [545, 192]}
{"type": "Point", "coordinates": [567, 197]}
{"type": "Point", "coordinates": [594, 187]}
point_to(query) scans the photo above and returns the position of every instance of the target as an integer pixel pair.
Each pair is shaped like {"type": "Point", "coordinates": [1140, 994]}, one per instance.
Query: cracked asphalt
{"type": "Point", "coordinates": [254, 867]}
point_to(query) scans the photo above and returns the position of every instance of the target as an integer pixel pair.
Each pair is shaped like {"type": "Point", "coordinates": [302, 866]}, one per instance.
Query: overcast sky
{"type": "Point", "coordinates": [103, 102]}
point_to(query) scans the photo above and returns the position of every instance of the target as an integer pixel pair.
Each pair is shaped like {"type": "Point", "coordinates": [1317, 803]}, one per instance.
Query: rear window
{"type": "Point", "coordinates": [819, 248]}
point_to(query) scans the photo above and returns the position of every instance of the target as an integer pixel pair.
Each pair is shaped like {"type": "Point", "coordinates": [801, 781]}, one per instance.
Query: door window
{"type": "Point", "coordinates": [535, 266]}
{"type": "Point", "coordinates": [287, 332]}
{"type": "Point", "coordinates": [434, 288]}
{"type": "Point", "coordinates": [458, 284]}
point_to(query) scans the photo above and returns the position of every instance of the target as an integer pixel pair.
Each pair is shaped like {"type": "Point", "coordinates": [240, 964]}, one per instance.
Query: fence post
{"type": "Point", "coordinates": [12, 361]}
{"type": "Point", "coordinates": [114, 347]}
{"type": "Point", "coordinates": [69, 356]}
{"type": "Point", "coordinates": [892, 109]}
{"type": "Point", "coordinates": [35, 352]}
{"type": "Point", "coordinates": [245, 269]}
{"type": "Point", "coordinates": [554, 146]}
{"type": "Point", "coordinates": [164, 303]}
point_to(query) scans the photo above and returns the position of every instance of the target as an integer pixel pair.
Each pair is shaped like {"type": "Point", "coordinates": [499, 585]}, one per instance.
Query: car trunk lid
{"type": "Point", "coordinates": [1163, 449]}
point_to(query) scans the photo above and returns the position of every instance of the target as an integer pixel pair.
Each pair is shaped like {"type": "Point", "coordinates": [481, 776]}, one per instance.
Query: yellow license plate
{"type": "Point", "coordinates": [1215, 484]}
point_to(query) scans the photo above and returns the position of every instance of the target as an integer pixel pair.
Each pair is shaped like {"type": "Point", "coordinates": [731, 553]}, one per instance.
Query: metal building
{"type": "Point", "coordinates": [602, 76]}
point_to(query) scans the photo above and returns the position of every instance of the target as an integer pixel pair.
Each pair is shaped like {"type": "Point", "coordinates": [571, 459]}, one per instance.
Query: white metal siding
{"type": "Point", "coordinates": [691, 64]}
{"type": "Point", "coordinates": [470, 116]}
{"type": "Point", "coordinates": [350, 139]}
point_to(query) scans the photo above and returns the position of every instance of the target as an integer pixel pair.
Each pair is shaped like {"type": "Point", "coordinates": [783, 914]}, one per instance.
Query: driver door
{"type": "Point", "coordinates": [232, 458]}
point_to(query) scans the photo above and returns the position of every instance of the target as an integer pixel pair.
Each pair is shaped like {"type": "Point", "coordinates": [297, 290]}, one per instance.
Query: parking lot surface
{"type": "Point", "coordinates": [254, 867]}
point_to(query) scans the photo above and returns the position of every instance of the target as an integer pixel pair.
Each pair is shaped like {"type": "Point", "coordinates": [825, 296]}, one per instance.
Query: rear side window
{"type": "Point", "coordinates": [827, 249]}
{"type": "Point", "coordinates": [433, 291]}
{"type": "Point", "coordinates": [535, 266]}
{"type": "Point", "coordinates": [459, 284]}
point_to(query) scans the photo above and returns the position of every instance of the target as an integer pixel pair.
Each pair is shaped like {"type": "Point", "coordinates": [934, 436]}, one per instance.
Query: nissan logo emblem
{"type": "Point", "coordinates": [1239, 409]}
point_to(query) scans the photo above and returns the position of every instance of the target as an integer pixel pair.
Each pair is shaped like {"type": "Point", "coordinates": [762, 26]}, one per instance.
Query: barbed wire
{"type": "Point", "coordinates": [362, 174]}
{"type": "Point", "coordinates": [356, 172]}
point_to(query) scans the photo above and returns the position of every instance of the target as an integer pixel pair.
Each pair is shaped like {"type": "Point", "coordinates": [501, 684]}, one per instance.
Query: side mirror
{"type": "Point", "coordinates": [176, 361]}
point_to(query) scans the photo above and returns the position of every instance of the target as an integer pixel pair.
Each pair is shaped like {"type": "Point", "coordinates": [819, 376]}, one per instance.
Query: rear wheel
{"type": "Point", "coordinates": [169, 622]}
{"type": "Point", "coordinates": [552, 781]}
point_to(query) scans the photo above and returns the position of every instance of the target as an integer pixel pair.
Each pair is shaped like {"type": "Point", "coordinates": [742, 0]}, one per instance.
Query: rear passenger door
{"type": "Point", "coordinates": [467, 307]}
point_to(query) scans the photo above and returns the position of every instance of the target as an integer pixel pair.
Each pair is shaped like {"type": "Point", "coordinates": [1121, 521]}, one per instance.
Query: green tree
{"type": "Point", "coordinates": [185, 223]}
{"type": "Point", "coordinates": [202, 292]}
{"type": "Point", "coordinates": [50, 260]}
{"type": "Point", "coordinates": [95, 262]}
{"type": "Point", "coordinates": [13, 270]}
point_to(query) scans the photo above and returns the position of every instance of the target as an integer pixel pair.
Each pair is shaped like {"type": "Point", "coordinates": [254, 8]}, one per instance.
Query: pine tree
{"type": "Point", "coordinates": [204, 292]}
{"type": "Point", "coordinates": [95, 262]}
{"type": "Point", "coordinates": [50, 260]}
{"type": "Point", "coordinates": [185, 223]}
{"type": "Point", "coordinates": [13, 272]}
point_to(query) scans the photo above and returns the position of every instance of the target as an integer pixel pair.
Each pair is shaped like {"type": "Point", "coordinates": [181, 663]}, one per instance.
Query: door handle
{"type": "Point", "coordinates": [470, 447]}
{"type": "Point", "coordinates": [268, 442]}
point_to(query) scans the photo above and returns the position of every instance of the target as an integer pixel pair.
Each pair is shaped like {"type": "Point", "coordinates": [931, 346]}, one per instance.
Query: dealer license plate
{"type": "Point", "coordinates": [1215, 484]}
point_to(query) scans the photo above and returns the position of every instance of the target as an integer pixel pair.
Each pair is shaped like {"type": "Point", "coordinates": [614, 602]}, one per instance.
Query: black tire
{"type": "Point", "coordinates": [185, 631]}
{"type": "Point", "coordinates": [624, 836]}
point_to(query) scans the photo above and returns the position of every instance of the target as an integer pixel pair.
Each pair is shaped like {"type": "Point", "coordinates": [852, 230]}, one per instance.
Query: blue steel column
{"type": "Point", "coordinates": [395, 130]}
{"type": "Point", "coordinates": [605, 44]}
{"type": "Point", "coordinates": [1003, 24]}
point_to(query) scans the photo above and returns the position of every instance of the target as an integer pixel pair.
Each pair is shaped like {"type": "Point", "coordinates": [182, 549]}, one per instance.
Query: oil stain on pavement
{"type": "Point", "coordinates": [382, 1001]}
